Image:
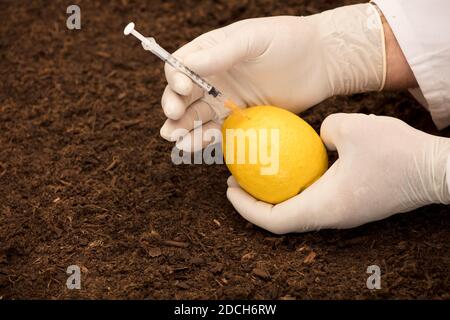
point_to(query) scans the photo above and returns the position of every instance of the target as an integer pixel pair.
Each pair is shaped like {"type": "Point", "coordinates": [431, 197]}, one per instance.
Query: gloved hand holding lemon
{"type": "Point", "coordinates": [272, 153]}
{"type": "Point", "coordinates": [290, 62]}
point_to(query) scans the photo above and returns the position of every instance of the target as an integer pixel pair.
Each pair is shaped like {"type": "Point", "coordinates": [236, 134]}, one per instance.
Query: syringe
{"type": "Point", "coordinates": [151, 45]}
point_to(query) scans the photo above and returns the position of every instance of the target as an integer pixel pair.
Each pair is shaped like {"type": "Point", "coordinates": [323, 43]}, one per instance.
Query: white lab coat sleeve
{"type": "Point", "coordinates": [422, 29]}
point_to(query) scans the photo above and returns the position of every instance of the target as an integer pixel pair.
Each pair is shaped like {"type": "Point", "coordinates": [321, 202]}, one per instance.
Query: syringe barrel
{"type": "Point", "coordinates": [155, 48]}
{"type": "Point", "coordinates": [219, 109]}
{"type": "Point", "coordinates": [178, 65]}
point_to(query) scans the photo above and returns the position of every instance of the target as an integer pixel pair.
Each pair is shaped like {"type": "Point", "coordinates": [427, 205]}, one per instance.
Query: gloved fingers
{"type": "Point", "coordinates": [260, 213]}
{"type": "Point", "coordinates": [231, 182]}
{"type": "Point", "coordinates": [180, 83]}
{"type": "Point", "coordinates": [177, 81]}
{"type": "Point", "coordinates": [220, 54]}
{"type": "Point", "coordinates": [313, 209]}
{"type": "Point", "coordinates": [200, 137]}
{"type": "Point", "coordinates": [199, 111]}
{"type": "Point", "coordinates": [252, 210]}
{"type": "Point", "coordinates": [317, 207]}
{"type": "Point", "coordinates": [174, 105]}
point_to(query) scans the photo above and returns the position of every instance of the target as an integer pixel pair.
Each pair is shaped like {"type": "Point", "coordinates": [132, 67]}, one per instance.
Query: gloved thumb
{"type": "Point", "coordinates": [337, 128]}
{"type": "Point", "coordinates": [220, 57]}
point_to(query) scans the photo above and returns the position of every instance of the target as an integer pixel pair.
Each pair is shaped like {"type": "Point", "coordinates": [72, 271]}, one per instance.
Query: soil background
{"type": "Point", "coordinates": [85, 178]}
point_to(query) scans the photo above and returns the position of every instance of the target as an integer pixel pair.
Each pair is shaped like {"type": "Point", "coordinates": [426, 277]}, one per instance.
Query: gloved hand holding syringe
{"type": "Point", "coordinates": [151, 45]}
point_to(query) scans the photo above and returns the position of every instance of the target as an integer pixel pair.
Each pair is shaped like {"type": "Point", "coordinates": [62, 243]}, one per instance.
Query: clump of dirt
{"type": "Point", "coordinates": [86, 180]}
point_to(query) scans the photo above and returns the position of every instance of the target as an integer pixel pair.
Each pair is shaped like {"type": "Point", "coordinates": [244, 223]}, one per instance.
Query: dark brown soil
{"type": "Point", "coordinates": [86, 179]}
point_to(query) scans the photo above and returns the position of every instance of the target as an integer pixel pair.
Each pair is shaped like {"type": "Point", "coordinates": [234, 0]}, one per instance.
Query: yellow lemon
{"type": "Point", "coordinates": [272, 153]}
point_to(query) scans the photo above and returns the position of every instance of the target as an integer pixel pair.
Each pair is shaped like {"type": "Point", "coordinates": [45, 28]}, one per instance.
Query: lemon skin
{"type": "Point", "coordinates": [302, 157]}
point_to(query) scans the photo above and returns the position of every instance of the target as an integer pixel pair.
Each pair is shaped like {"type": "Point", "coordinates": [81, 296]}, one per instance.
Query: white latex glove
{"type": "Point", "coordinates": [384, 167]}
{"type": "Point", "coordinates": [286, 61]}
